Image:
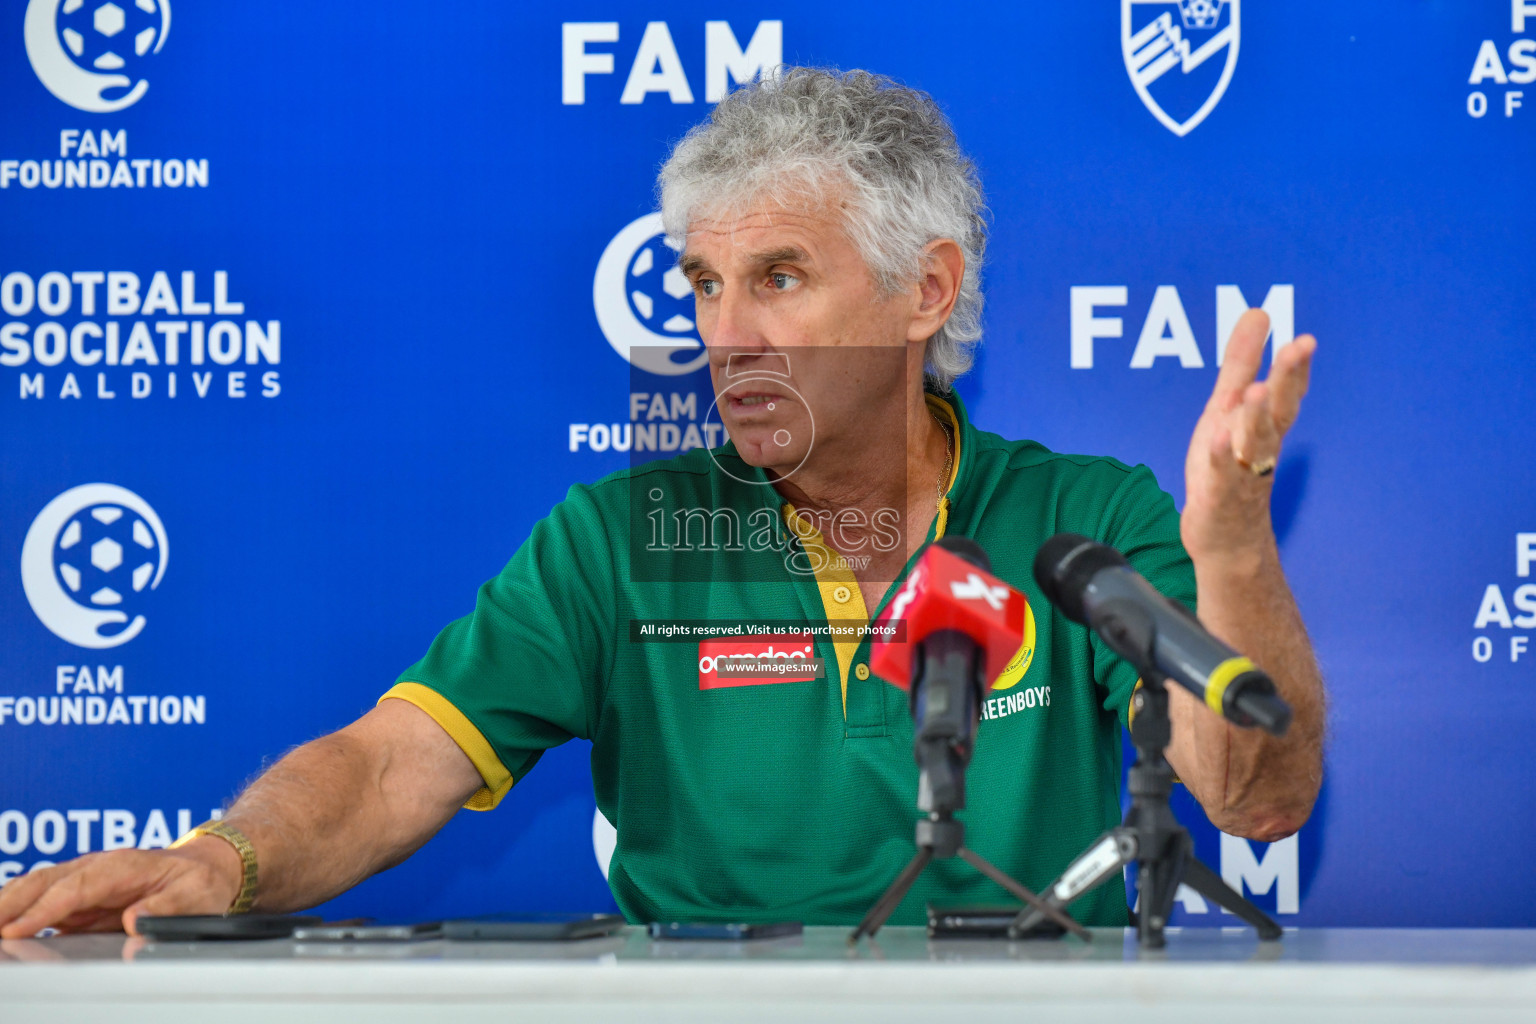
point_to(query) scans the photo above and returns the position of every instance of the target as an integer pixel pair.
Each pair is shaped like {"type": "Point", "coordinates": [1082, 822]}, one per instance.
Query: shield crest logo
{"type": "Point", "coordinates": [1170, 49]}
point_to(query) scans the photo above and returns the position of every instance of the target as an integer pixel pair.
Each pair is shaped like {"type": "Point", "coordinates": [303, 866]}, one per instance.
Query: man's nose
{"type": "Point", "coordinates": [737, 327]}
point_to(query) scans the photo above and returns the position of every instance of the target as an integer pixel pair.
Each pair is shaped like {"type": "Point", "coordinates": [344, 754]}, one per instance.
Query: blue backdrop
{"type": "Point", "coordinates": [359, 241]}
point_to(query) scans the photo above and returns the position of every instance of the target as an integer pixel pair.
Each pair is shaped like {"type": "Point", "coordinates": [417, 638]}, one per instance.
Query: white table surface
{"type": "Point", "coordinates": [1311, 976]}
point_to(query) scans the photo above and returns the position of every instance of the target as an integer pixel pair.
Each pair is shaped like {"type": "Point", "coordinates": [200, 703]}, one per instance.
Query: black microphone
{"type": "Point", "coordinates": [947, 684]}
{"type": "Point", "coordinates": [1093, 584]}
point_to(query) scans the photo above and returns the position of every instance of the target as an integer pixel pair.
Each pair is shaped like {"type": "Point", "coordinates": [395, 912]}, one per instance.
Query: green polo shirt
{"type": "Point", "coordinates": [796, 800]}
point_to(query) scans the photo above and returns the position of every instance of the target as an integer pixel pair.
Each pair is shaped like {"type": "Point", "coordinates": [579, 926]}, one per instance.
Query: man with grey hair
{"type": "Point", "coordinates": [833, 232]}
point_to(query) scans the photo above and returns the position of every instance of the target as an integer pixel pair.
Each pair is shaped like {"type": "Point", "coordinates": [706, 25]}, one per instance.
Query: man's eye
{"type": "Point", "coordinates": [708, 288]}
{"type": "Point", "coordinates": [783, 282]}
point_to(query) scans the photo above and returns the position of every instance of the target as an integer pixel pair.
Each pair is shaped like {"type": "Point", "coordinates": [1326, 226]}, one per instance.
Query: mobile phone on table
{"type": "Point", "coordinates": [731, 931]}
{"type": "Point", "coordinates": [532, 927]}
{"type": "Point", "coordinates": [984, 922]}
{"type": "Point", "coordinates": [200, 927]}
{"type": "Point", "coordinates": [369, 931]}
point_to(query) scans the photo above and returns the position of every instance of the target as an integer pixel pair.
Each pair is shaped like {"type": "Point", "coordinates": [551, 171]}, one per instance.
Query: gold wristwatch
{"type": "Point", "coordinates": [234, 837]}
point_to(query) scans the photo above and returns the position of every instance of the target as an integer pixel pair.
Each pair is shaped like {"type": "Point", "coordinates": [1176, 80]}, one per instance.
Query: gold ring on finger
{"type": "Point", "coordinates": [1262, 467]}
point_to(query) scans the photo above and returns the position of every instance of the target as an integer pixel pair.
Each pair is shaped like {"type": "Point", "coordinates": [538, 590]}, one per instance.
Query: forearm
{"type": "Point", "coordinates": [323, 818]}
{"type": "Point", "coordinates": [1251, 783]}
{"type": "Point", "coordinates": [313, 832]}
{"type": "Point", "coordinates": [330, 814]}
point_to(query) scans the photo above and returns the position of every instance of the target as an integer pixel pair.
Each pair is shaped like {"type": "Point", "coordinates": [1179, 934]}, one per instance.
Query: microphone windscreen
{"type": "Point", "coordinates": [1065, 564]}
{"type": "Point", "coordinates": [966, 548]}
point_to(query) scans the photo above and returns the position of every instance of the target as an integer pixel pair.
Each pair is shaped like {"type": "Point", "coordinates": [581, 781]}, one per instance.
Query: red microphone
{"type": "Point", "coordinates": [950, 588]}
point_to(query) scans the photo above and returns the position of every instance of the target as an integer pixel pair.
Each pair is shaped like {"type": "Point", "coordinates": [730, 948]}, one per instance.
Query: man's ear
{"type": "Point", "coordinates": [938, 288]}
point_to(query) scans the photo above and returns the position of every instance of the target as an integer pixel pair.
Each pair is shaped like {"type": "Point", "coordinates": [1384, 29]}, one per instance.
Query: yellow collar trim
{"type": "Point", "coordinates": [835, 580]}
{"type": "Point", "coordinates": [944, 410]}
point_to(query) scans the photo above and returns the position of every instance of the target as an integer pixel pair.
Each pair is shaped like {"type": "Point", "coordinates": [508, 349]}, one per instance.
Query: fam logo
{"type": "Point", "coordinates": [88, 558]}
{"type": "Point", "coordinates": [1166, 331]}
{"type": "Point", "coordinates": [1158, 36]}
{"type": "Point", "coordinates": [657, 66]}
{"type": "Point", "coordinates": [644, 303]}
{"type": "Point", "coordinates": [88, 54]}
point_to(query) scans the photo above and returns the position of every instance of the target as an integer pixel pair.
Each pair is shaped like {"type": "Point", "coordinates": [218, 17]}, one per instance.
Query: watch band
{"type": "Point", "coordinates": [234, 837]}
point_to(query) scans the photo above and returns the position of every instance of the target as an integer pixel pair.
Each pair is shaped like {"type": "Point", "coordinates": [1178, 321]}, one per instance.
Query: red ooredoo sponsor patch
{"type": "Point", "coordinates": [784, 646]}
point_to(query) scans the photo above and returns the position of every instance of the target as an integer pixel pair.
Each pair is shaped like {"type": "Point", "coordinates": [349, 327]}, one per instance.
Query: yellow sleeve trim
{"type": "Point", "coordinates": [497, 779]}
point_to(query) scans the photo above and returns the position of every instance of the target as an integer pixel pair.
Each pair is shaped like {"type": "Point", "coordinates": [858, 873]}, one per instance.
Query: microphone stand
{"type": "Point", "coordinates": [1149, 835]}
{"type": "Point", "coordinates": [942, 749]}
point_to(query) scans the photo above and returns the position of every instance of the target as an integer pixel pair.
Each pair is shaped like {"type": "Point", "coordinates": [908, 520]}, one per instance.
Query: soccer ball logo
{"type": "Point", "coordinates": [644, 303]}
{"type": "Point", "coordinates": [659, 293]}
{"type": "Point", "coordinates": [88, 559]}
{"type": "Point", "coordinates": [104, 553]}
{"type": "Point", "coordinates": [87, 52]}
{"type": "Point", "coordinates": [1200, 13]}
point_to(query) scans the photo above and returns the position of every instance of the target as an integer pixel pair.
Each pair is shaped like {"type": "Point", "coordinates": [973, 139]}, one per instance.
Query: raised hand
{"type": "Point", "coordinates": [1236, 444]}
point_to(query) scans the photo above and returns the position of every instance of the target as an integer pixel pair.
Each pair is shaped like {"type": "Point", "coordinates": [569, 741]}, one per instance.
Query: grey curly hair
{"type": "Point", "coordinates": [907, 182]}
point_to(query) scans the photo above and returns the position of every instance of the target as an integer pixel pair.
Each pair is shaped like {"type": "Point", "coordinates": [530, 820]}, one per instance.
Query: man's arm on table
{"type": "Point", "coordinates": [1250, 783]}
{"type": "Point", "coordinates": [328, 815]}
